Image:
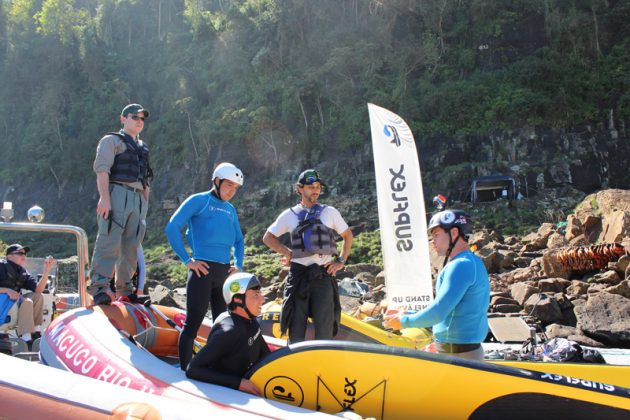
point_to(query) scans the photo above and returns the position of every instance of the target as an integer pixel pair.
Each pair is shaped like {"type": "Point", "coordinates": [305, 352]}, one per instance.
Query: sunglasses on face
{"type": "Point", "coordinates": [18, 253]}
{"type": "Point", "coordinates": [137, 117]}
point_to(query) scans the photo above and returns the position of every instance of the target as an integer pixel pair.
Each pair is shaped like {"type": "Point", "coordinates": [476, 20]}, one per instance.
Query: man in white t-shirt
{"type": "Point", "coordinates": [311, 288]}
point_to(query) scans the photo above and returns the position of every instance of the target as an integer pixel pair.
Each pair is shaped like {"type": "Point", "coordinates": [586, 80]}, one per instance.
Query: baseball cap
{"type": "Point", "coordinates": [134, 109]}
{"type": "Point", "coordinates": [309, 177]}
{"type": "Point", "coordinates": [17, 247]}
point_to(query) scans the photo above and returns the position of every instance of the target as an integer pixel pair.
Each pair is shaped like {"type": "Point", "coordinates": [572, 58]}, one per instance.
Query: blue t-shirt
{"type": "Point", "coordinates": [213, 230]}
{"type": "Point", "coordinates": [459, 313]}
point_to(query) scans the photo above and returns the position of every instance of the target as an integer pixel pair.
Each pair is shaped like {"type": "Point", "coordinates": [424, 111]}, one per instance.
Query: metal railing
{"type": "Point", "coordinates": [82, 248]}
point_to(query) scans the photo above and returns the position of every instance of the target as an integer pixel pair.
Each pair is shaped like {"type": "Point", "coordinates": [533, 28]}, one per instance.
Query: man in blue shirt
{"type": "Point", "coordinates": [462, 292]}
{"type": "Point", "coordinates": [213, 233]}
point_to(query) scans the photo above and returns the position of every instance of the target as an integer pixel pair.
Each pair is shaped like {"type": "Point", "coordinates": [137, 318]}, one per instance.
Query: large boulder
{"type": "Point", "coordinates": [621, 265]}
{"type": "Point", "coordinates": [502, 300]}
{"type": "Point", "coordinates": [507, 258]}
{"type": "Point", "coordinates": [522, 262]}
{"type": "Point", "coordinates": [570, 333]}
{"type": "Point", "coordinates": [605, 215]}
{"type": "Point", "coordinates": [552, 267]}
{"type": "Point", "coordinates": [507, 308]}
{"type": "Point", "coordinates": [615, 226]}
{"type": "Point", "coordinates": [480, 239]}
{"type": "Point", "coordinates": [574, 227]}
{"type": "Point", "coordinates": [519, 275]}
{"type": "Point", "coordinates": [606, 318]}
{"type": "Point", "coordinates": [354, 269]}
{"type": "Point", "coordinates": [607, 277]}
{"type": "Point", "coordinates": [556, 240]}
{"type": "Point", "coordinates": [543, 307]}
{"type": "Point", "coordinates": [622, 289]}
{"type": "Point", "coordinates": [557, 330]}
{"type": "Point", "coordinates": [577, 288]}
{"type": "Point", "coordinates": [491, 259]}
{"type": "Point", "coordinates": [539, 239]}
{"type": "Point", "coordinates": [179, 296]}
{"type": "Point", "coordinates": [512, 241]}
{"type": "Point", "coordinates": [380, 278]}
{"type": "Point", "coordinates": [522, 291]}
{"type": "Point", "coordinates": [160, 295]}
{"type": "Point", "coordinates": [555, 285]}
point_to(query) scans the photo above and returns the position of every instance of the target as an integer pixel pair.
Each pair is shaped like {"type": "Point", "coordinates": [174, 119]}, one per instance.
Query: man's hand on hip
{"type": "Point", "coordinates": [333, 267]}
{"type": "Point", "coordinates": [199, 267]}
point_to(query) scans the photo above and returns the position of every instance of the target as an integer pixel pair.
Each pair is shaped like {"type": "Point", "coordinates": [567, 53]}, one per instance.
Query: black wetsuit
{"type": "Point", "coordinates": [234, 345]}
{"type": "Point", "coordinates": [198, 288]}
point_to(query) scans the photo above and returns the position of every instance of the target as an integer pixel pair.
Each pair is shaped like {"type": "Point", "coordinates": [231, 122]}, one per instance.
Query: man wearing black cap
{"type": "Point", "coordinates": [122, 178]}
{"type": "Point", "coordinates": [14, 278]}
{"type": "Point", "coordinates": [311, 289]}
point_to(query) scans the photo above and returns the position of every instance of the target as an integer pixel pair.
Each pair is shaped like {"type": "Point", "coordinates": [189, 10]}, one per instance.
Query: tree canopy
{"type": "Point", "coordinates": [285, 78]}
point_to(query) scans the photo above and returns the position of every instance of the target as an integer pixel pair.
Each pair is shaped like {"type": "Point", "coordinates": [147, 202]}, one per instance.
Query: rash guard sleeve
{"type": "Point", "coordinates": [454, 281]}
{"type": "Point", "coordinates": [178, 221]}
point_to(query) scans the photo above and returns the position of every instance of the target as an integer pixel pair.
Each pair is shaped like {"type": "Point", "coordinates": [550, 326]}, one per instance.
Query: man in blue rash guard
{"type": "Point", "coordinates": [213, 232]}
{"type": "Point", "coordinates": [462, 292]}
{"type": "Point", "coordinates": [235, 342]}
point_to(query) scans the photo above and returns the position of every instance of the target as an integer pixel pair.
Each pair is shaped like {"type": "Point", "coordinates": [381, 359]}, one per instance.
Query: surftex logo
{"type": "Point", "coordinates": [391, 133]}
{"type": "Point", "coordinates": [397, 132]}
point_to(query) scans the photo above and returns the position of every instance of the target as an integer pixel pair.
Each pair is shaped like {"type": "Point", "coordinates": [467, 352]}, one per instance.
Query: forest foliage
{"type": "Point", "coordinates": [266, 75]}
{"type": "Point", "coordinates": [283, 80]}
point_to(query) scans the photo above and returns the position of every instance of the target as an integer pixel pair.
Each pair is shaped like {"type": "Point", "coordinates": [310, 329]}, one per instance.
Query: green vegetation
{"type": "Point", "coordinates": [294, 75]}
{"type": "Point", "coordinates": [366, 248]}
{"type": "Point", "coordinates": [162, 263]}
{"type": "Point", "coordinates": [278, 84]}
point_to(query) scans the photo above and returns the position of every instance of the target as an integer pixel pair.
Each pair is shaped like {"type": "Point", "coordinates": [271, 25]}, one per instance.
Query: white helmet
{"type": "Point", "coordinates": [239, 283]}
{"type": "Point", "coordinates": [229, 171]}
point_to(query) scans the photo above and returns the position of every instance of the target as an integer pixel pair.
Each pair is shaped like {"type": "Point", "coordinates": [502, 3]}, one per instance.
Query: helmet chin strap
{"type": "Point", "coordinates": [451, 245]}
{"type": "Point", "coordinates": [244, 306]}
{"type": "Point", "coordinates": [217, 188]}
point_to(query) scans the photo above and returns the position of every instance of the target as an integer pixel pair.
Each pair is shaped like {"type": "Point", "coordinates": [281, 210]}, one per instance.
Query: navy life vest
{"type": "Point", "coordinates": [311, 236]}
{"type": "Point", "coordinates": [11, 278]}
{"type": "Point", "coordinates": [132, 165]}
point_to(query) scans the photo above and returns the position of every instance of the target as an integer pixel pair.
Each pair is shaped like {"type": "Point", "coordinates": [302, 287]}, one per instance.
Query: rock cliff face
{"type": "Point", "coordinates": [589, 159]}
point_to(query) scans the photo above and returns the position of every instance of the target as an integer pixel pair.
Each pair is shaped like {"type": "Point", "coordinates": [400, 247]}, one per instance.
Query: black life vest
{"type": "Point", "coordinates": [12, 278]}
{"type": "Point", "coordinates": [132, 165]}
{"type": "Point", "coordinates": [311, 236]}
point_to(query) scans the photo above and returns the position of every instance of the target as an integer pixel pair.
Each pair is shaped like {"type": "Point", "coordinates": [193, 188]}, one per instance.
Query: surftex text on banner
{"type": "Point", "coordinates": [401, 212]}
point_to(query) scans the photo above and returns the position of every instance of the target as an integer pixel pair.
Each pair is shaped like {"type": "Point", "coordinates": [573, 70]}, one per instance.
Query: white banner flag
{"type": "Point", "coordinates": [401, 212]}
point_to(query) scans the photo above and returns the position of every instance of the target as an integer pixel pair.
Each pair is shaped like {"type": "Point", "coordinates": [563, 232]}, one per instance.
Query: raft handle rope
{"type": "Point", "coordinates": [196, 345]}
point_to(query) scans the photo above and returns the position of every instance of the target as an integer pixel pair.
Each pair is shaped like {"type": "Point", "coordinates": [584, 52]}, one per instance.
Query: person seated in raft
{"type": "Point", "coordinates": [235, 342]}
{"type": "Point", "coordinates": [13, 279]}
